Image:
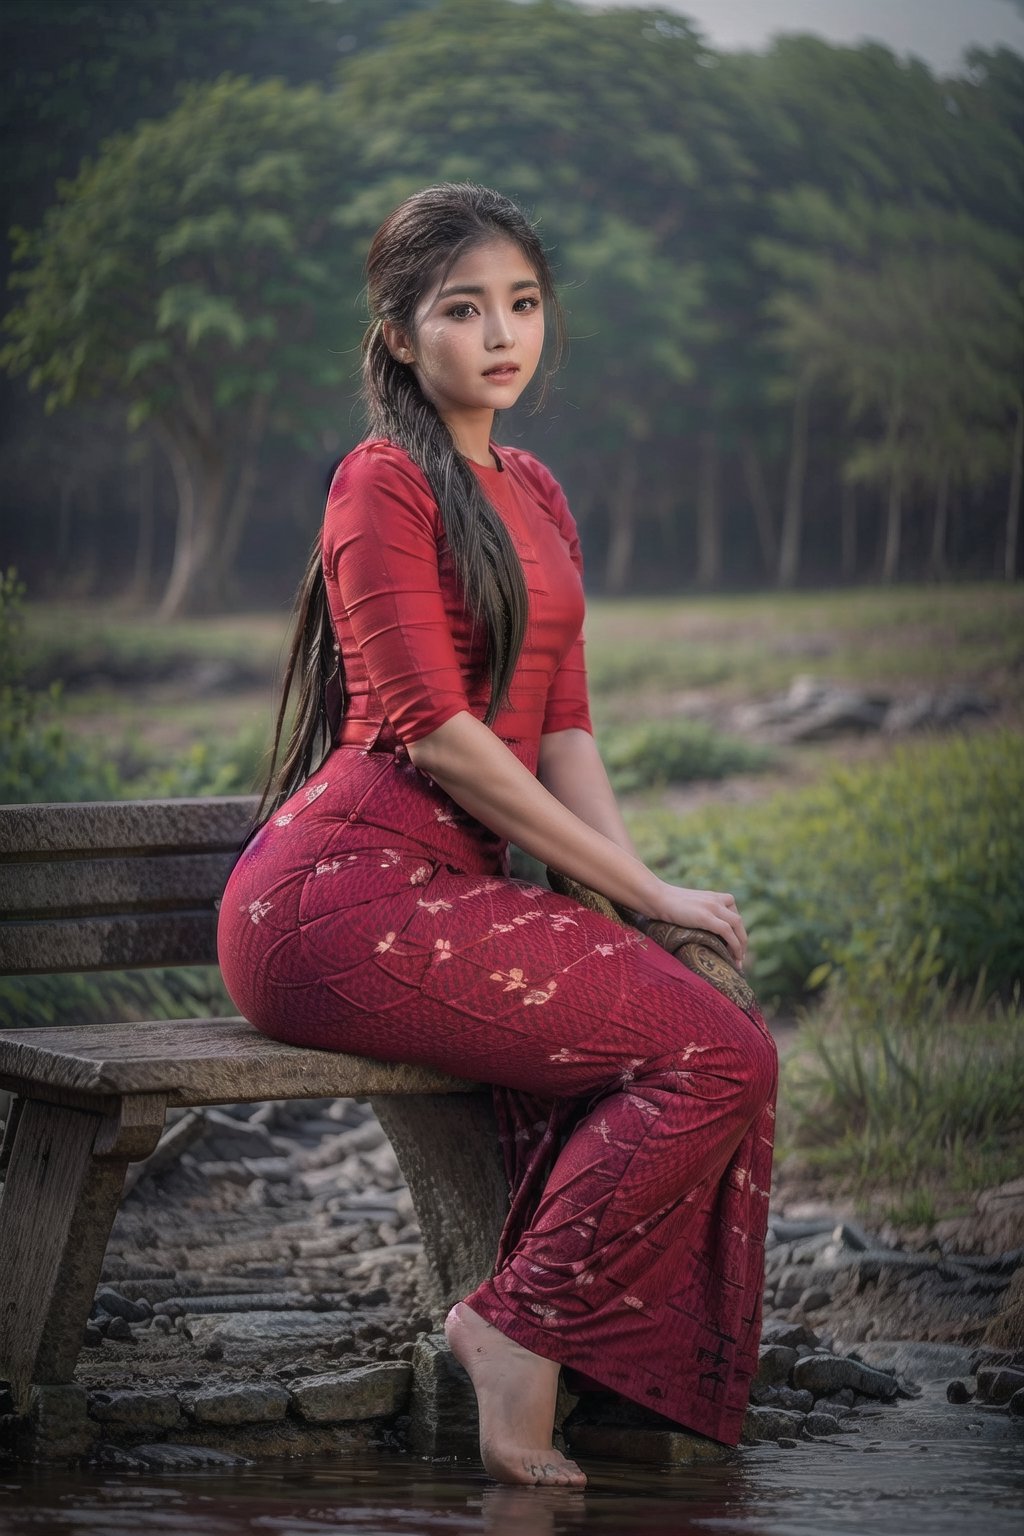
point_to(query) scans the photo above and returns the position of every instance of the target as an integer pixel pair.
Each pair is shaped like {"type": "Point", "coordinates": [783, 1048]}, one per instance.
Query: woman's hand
{"type": "Point", "coordinates": [712, 910]}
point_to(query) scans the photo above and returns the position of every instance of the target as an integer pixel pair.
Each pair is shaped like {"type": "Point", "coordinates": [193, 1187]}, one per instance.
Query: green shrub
{"type": "Point", "coordinates": [39, 758]}
{"type": "Point", "coordinates": [122, 997]}
{"type": "Point", "coordinates": [660, 752]}
{"type": "Point", "coordinates": [891, 876]}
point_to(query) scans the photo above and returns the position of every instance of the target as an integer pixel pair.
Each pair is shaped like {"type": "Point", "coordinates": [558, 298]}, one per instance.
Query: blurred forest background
{"type": "Point", "coordinates": [791, 429]}
{"type": "Point", "coordinates": [792, 281]}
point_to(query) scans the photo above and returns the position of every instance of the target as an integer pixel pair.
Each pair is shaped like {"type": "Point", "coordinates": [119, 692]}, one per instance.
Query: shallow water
{"type": "Point", "coordinates": [851, 1485]}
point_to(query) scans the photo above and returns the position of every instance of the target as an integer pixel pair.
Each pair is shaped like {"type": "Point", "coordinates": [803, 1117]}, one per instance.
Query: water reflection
{"type": "Point", "coordinates": [845, 1487]}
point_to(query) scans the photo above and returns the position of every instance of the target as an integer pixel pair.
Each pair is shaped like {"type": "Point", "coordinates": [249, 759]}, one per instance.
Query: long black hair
{"type": "Point", "coordinates": [413, 249]}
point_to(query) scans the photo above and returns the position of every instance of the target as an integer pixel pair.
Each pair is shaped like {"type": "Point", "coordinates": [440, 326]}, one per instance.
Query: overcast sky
{"type": "Point", "coordinates": [935, 30]}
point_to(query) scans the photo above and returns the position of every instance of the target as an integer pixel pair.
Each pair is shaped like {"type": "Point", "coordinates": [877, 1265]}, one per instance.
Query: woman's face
{"type": "Point", "coordinates": [478, 335]}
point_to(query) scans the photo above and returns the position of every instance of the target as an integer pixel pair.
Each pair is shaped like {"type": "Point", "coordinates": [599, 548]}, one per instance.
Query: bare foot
{"type": "Point", "coordinates": [515, 1394]}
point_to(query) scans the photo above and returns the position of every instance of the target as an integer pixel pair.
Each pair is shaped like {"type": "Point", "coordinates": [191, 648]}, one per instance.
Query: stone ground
{"type": "Point", "coordinates": [263, 1295]}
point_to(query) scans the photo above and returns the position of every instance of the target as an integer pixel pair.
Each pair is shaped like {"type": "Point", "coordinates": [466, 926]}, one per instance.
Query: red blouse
{"type": "Point", "coordinates": [410, 654]}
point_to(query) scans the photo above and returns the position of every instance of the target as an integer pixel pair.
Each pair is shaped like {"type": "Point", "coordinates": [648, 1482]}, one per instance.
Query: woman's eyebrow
{"type": "Point", "coordinates": [475, 288]}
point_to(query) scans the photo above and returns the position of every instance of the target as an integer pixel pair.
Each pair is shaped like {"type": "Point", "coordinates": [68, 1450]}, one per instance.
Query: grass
{"type": "Point", "coordinates": [752, 645]}
{"type": "Point", "coordinates": [912, 1111]}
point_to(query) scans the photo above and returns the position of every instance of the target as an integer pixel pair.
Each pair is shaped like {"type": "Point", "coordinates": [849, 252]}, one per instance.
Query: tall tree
{"type": "Point", "coordinates": [196, 271]}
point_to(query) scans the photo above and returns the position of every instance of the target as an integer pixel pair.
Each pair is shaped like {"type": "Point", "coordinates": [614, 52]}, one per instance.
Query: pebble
{"type": "Point", "coordinates": [115, 1305]}
{"type": "Point", "coordinates": [817, 1424]}
{"type": "Point", "coordinates": [958, 1392]}
{"type": "Point", "coordinates": [1015, 1407]}
{"type": "Point", "coordinates": [769, 1423]}
{"type": "Point", "coordinates": [118, 1328]}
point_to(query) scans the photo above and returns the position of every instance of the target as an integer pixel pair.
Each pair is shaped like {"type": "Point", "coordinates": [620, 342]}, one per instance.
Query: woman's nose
{"type": "Point", "coordinates": [499, 331]}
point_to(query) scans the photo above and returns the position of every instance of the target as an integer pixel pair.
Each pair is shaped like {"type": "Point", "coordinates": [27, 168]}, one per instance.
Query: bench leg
{"type": "Point", "coordinates": [447, 1148]}
{"type": "Point", "coordinates": [59, 1201]}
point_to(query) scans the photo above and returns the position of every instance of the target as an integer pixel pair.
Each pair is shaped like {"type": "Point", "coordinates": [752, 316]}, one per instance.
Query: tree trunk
{"type": "Point", "coordinates": [893, 527]}
{"type": "Point", "coordinates": [622, 514]}
{"type": "Point", "coordinates": [138, 589]}
{"type": "Point", "coordinates": [184, 531]}
{"type": "Point", "coordinates": [223, 575]}
{"type": "Point", "coordinates": [199, 476]}
{"type": "Point", "coordinates": [793, 504]}
{"type": "Point", "coordinates": [64, 520]}
{"type": "Point", "coordinates": [757, 491]}
{"type": "Point", "coordinates": [1013, 507]}
{"type": "Point", "coordinates": [848, 532]}
{"type": "Point", "coordinates": [709, 522]}
{"type": "Point", "coordinates": [940, 526]}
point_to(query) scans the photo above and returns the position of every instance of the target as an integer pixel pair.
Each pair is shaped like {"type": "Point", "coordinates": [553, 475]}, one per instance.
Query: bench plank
{"type": "Point", "coordinates": [108, 943]}
{"type": "Point", "coordinates": [118, 826]}
{"type": "Point", "coordinates": [85, 887]}
{"type": "Point", "coordinates": [199, 1061]}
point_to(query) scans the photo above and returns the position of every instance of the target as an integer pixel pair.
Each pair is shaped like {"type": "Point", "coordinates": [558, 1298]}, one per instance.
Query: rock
{"type": "Point", "coordinates": [958, 1392]}
{"type": "Point", "coordinates": [795, 1398]}
{"type": "Point", "coordinates": [775, 1362]}
{"type": "Point", "coordinates": [824, 1374]}
{"type": "Point", "coordinates": [815, 1296]}
{"type": "Point", "coordinates": [769, 1423]}
{"type": "Point", "coordinates": [163, 1458]}
{"type": "Point", "coordinates": [344, 1397]}
{"type": "Point", "coordinates": [922, 1361]}
{"type": "Point", "coordinates": [1015, 1407]}
{"type": "Point", "coordinates": [118, 1328]}
{"type": "Point", "coordinates": [997, 1384]}
{"type": "Point", "coordinates": [116, 1305]}
{"type": "Point", "coordinates": [832, 1405]}
{"type": "Point", "coordinates": [648, 1447]}
{"type": "Point", "coordinates": [58, 1424]}
{"type": "Point", "coordinates": [241, 1403]}
{"type": "Point", "coordinates": [776, 1330]}
{"type": "Point", "coordinates": [817, 1424]}
{"type": "Point", "coordinates": [942, 708]}
{"type": "Point", "coordinates": [226, 1139]}
{"type": "Point", "coordinates": [264, 1328]}
{"type": "Point", "coordinates": [140, 1407]}
{"type": "Point", "coordinates": [92, 1337]}
{"type": "Point", "coordinates": [853, 1237]}
{"type": "Point", "coordinates": [442, 1408]}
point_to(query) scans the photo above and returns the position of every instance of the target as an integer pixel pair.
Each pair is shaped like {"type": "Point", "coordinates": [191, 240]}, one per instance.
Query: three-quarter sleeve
{"type": "Point", "coordinates": [380, 547]}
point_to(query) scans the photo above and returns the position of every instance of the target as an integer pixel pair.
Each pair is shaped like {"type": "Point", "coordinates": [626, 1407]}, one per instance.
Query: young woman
{"type": "Point", "coordinates": [439, 652]}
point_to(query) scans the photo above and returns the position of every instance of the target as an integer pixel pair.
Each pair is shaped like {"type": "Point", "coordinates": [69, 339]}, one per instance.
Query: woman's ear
{"type": "Point", "coordinates": [398, 342]}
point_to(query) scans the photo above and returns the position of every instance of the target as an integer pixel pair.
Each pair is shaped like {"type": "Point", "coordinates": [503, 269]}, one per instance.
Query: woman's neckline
{"type": "Point", "coordinates": [496, 468]}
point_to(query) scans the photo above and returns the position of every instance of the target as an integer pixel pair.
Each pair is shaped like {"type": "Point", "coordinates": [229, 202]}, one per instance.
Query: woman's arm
{"type": "Point", "coordinates": [472, 765]}
{"type": "Point", "coordinates": [570, 766]}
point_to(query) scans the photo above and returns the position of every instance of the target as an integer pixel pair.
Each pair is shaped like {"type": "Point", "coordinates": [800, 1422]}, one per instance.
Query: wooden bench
{"type": "Point", "coordinates": [121, 885]}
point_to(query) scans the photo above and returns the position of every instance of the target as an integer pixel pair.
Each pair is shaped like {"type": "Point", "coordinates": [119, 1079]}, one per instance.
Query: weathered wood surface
{"type": "Point", "coordinates": [199, 1061]}
{"type": "Point", "coordinates": [87, 887]}
{"type": "Point", "coordinates": [447, 1148]}
{"type": "Point", "coordinates": [59, 1201]}
{"type": "Point", "coordinates": [106, 827]}
{"type": "Point", "coordinates": [112, 943]}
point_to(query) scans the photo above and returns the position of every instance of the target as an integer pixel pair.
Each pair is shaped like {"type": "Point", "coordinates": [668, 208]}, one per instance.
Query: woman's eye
{"type": "Point", "coordinates": [524, 305]}
{"type": "Point", "coordinates": [461, 311]}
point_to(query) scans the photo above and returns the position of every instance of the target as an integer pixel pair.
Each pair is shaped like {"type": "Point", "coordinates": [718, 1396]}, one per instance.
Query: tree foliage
{"type": "Point", "coordinates": [791, 277]}
{"type": "Point", "coordinates": [196, 271]}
